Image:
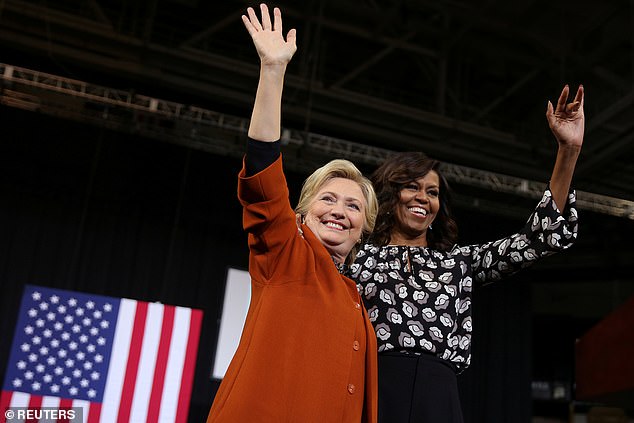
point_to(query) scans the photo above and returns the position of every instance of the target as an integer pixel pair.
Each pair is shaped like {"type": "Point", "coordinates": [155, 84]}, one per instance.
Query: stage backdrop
{"type": "Point", "coordinates": [90, 210]}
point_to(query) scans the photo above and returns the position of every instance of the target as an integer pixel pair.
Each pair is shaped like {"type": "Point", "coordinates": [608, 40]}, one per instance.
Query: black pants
{"type": "Point", "coordinates": [417, 389]}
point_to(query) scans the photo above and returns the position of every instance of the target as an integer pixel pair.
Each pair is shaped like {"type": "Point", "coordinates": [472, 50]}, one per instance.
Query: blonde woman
{"type": "Point", "coordinates": [308, 350]}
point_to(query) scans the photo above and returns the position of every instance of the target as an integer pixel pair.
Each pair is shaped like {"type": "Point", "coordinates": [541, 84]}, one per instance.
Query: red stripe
{"type": "Point", "coordinates": [94, 412]}
{"type": "Point", "coordinates": [35, 403]}
{"type": "Point", "coordinates": [5, 402]}
{"type": "Point", "coordinates": [189, 366]}
{"type": "Point", "coordinates": [161, 364]}
{"type": "Point", "coordinates": [133, 361]}
{"type": "Point", "coordinates": [64, 404]}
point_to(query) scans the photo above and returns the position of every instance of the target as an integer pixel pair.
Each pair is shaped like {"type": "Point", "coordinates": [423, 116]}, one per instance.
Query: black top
{"type": "Point", "coordinates": [260, 155]}
{"type": "Point", "coordinates": [419, 299]}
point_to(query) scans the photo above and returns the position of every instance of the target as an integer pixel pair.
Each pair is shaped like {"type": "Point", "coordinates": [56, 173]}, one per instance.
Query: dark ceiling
{"type": "Point", "coordinates": [465, 81]}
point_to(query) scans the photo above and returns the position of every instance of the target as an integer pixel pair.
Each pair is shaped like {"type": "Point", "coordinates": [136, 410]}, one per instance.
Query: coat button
{"type": "Point", "coordinates": [357, 306]}
{"type": "Point", "coordinates": [355, 345]}
{"type": "Point", "coordinates": [351, 388]}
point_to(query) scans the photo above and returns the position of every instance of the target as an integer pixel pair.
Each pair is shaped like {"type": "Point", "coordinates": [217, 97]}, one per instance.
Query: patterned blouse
{"type": "Point", "coordinates": [419, 299]}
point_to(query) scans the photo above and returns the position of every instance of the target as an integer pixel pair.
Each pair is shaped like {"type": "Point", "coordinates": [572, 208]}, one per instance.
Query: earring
{"type": "Point", "coordinates": [429, 227]}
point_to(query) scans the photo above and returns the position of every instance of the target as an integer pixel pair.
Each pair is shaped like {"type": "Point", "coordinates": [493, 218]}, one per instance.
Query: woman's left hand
{"type": "Point", "coordinates": [567, 121]}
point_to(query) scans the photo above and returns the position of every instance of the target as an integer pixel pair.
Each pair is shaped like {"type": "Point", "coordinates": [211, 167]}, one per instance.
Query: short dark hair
{"type": "Point", "coordinates": [390, 178]}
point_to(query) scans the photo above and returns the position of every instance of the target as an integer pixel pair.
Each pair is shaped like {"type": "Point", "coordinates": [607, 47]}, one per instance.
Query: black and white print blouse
{"type": "Point", "coordinates": [419, 299]}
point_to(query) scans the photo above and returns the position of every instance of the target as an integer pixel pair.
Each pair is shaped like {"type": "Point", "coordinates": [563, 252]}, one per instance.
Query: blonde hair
{"type": "Point", "coordinates": [340, 168]}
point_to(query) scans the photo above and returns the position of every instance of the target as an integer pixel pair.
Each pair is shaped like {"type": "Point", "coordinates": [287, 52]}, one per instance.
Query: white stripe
{"type": "Point", "coordinates": [85, 406]}
{"type": "Point", "coordinates": [52, 402]}
{"type": "Point", "coordinates": [147, 363]}
{"type": "Point", "coordinates": [118, 361]}
{"type": "Point", "coordinates": [175, 364]}
{"type": "Point", "coordinates": [19, 399]}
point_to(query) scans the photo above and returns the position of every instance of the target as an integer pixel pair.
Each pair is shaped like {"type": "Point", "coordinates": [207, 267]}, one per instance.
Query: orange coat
{"type": "Point", "coordinates": [308, 351]}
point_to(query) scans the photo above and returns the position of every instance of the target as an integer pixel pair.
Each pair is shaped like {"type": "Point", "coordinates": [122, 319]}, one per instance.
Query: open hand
{"type": "Point", "coordinates": [567, 121]}
{"type": "Point", "coordinates": [268, 38]}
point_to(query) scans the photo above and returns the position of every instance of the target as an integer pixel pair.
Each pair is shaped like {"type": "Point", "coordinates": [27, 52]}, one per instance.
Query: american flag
{"type": "Point", "coordinates": [121, 360]}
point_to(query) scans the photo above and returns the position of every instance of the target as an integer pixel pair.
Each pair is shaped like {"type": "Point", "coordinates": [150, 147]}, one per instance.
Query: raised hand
{"type": "Point", "coordinates": [567, 121]}
{"type": "Point", "coordinates": [268, 38]}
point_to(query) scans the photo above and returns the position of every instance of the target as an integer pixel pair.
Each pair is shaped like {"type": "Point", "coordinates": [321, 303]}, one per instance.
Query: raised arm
{"type": "Point", "coordinates": [567, 123]}
{"type": "Point", "coordinates": [275, 54]}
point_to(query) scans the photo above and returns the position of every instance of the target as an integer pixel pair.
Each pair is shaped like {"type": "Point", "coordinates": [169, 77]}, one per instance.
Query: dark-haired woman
{"type": "Point", "coordinates": [417, 283]}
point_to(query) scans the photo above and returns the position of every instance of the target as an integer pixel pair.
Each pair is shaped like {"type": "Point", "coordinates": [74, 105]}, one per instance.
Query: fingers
{"type": "Point", "coordinates": [291, 38]}
{"type": "Point", "coordinates": [561, 103]}
{"type": "Point", "coordinates": [580, 96]}
{"type": "Point", "coordinates": [266, 18]}
{"type": "Point", "coordinates": [549, 110]}
{"type": "Point", "coordinates": [277, 19]}
{"type": "Point", "coordinates": [252, 23]}
{"type": "Point", "coordinates": [574, 106]}
{"type": "Point", "coordinates": [253, 18]}
{"type": "Point", "coordinates": [577, 103]}
{"type": "Point", "coordinates": [247, 24]}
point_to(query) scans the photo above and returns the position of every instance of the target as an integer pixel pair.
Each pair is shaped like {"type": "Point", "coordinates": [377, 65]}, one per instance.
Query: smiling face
{"type": "Point", "coordinates": [336, 216]}
{"type": "Point", "coordinates": [416, 209]}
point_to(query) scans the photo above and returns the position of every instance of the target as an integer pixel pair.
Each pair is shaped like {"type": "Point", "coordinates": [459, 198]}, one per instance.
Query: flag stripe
{"type": "Point", "coordinates": [62, 404]}
{"type": "Point", "coordinates": [35, 402]}
{"type": "Point", "coordinates": [133, 362]}
{"type": "Point", "coordinates": [52, 402]}
{"type": "Point", "coordinates": [5, 402]}
{"type": "Point", "coordinates": [19, 399]}
{"type": "Point", "coordinates": [175, 362]}
{"type": "Point", "coordinates": [120, 349]}
{"type": "Point", "coordinates": [94, 412]}
{"type": "Point", "coordinates": [190, 365]}
{"type": "Point", "coordinates": [83, 405]}
{"type": "Point", "coordinates": [161, 365]}
{"type": "Point", "coordinates": [147, 361]}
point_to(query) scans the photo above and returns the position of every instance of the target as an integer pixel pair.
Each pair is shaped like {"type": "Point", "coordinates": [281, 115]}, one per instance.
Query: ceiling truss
{"type": "Point", "coordinates": [196, 127]}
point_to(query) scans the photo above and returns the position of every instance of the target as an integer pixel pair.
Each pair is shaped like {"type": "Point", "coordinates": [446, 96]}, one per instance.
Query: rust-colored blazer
{"type": "Point", "coordinates": [308, 351]}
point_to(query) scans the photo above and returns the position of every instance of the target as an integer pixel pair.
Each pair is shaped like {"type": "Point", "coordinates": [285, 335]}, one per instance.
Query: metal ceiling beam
{"type": "Point", "coordinates": [372, 60]}
{"type": "Point", "coordinates": [609, 149]}
{"type": "Point", "coordinates": [20, 87]}
{"type": "Point", "coordinates": [171, 66]}
{"type": "Point", "coordinates": [518, 85]}
{"type": "Point", "coordinates": [362, 33]}
{"type": "Point", "coordinates": [172, 63]}
{"type": "Point", "coordinates": [99, 13]}
{"type": "Point", "coordinates": [379, 121]}
{"type": "Point", "coordinates": [608, 113]}
{"type": "Point", "coordinates": [221, 24]}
